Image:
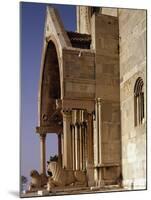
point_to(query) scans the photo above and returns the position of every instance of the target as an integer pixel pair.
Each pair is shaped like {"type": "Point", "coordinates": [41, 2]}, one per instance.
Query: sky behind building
{"type": "Point", "coordinates": [32, 19]}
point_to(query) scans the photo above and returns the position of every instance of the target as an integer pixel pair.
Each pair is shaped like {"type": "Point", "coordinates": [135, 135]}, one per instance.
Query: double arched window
{"type": "Point", "coordinates": [138, 102]}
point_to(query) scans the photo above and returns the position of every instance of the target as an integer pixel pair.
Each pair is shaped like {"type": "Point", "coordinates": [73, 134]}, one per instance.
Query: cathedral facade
{"type": "Point", "coordinates": [92, 94]}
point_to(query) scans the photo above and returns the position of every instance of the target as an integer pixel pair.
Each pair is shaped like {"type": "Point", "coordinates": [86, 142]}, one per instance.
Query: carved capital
{"type": "Point", "coordinates": [42, 136]}
{"type": "Point", "coordinates": [84, 124]}
{"type": "Point", "coordinates": [72, 125]}
{"type": "Point", "coordinates": [77, 125]}
{"type": "Point", "coordinates": [99, 100]}
{"type": "Point", "coordinates": [81, 124]}
{"type": "Point", "coordinates": [66, 113]}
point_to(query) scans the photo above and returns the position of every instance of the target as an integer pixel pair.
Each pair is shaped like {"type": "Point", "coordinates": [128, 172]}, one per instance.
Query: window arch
{"type": "Point", "coordinates": [138, 102]}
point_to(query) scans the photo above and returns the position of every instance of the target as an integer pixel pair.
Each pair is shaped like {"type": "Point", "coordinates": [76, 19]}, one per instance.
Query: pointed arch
{"type": "Point", "coordinates": [50, 85]}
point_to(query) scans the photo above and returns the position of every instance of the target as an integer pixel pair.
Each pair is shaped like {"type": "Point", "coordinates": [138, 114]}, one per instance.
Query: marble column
{"type": "Point", "coordinates": [67, 162]}
{"type": "Point", "coordinates": [43, 153]}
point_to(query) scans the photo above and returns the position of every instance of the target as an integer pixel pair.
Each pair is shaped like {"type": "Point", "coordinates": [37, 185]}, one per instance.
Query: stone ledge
{"type": "Point", "coordinates": [107, 165]}
{"type": "Point", "coordinates": [48, 129]}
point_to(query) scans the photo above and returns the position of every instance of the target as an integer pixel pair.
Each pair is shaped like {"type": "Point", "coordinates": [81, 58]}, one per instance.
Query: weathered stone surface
{"type": "Point", "coordinates": [110, 11]}
{"type": "Point", "coordinates": [132, 65]}
{"type": "Point", "coordinates": [95, 86]}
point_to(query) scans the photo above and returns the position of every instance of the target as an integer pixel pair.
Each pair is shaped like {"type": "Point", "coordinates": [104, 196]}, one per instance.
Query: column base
{"type": "Point", "coordinates": [100, 183]}
{"type": "Point", "coordinates": [90, 174]}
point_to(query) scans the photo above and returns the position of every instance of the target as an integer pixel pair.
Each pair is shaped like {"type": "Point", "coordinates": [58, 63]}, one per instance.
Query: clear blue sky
{"type": "Point", "coordinates": [32, 18]}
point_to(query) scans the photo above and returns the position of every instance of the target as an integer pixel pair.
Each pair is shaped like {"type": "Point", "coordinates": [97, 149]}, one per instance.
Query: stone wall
{"type": "Point", "coordinates": [132, 37]}
{"type": "Point", "coordinates": [79, 74]}
{"type": "Point", "coordinates": [107, 122]}
{"type": "Point", "coordinates": [100, 81]}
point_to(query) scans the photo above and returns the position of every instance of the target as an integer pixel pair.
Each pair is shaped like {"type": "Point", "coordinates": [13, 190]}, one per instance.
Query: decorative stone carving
{"type": "Point", "coordinates": [37, 180]}
{"type": "Point", "coordinates": [63, 177]}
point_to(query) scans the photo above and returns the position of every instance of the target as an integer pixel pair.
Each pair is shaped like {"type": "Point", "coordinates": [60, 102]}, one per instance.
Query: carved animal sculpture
{"type": "Point", "coordinates": [37, 180]}
{"type": "Point", "coordinates": [63, 177]}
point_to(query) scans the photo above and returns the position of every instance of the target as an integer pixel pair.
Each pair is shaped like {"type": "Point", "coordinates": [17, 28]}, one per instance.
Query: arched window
{"type": "Point", "coordinates": [138, 102]}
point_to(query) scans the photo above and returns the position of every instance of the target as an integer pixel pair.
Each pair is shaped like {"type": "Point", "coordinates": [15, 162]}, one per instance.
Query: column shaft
{"type": "Point", "coordinates": [97, 134]}
{"type": "Point", "coordinates": [81, 156]}
{"type": "Point", "coordinates": [67, 140]}
{"type": "Point", "coordinates": [90, 157]}
{"type": "Point", "coordinates": [100, 130]}
{"type": "Point", "coordinates": [90, 139]}
{"type": "Point", "coordinates": [73, 147]}
{"type": "Point", "coordinates": [43, 153]}
{"type": "Point", "coordinates": [100, 140]}
{"type": "Point", "coordinates": [62, 149]}
{"type": "Point", "coordinates": [59, 149]}
{"type": "Point", "coordinates": [83, 147]}
{"type": "Point", "coordinates": [77, 146]}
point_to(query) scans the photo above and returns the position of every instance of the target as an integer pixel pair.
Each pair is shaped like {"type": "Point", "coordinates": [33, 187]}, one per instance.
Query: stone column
{"type": "Point", "coordinates": [90, 138]}
{"type": "Point", "coordinates": [78, 145]}
{"type": "Point", "coordinates": [90, 157]}
{"type": "Point", "coordinates": [85, 145]}
{"type": "Point", "coordinates": [97, 136]}
{"type": "Point", "coordinates": [73, 147]}
{"type": "Point", "coordinates": [43, 153]}
{"type": "Point", "coordinates": [62, 149]}
{"type": "Point", "coordinates": [67, 163]}
{"type": "Point", "coordinates": [80, 139]}
{"type": "Point", "coordinates": [96, 141]}
{"type": "Point", "coordinates": [101, 181]}
{"type": "Point", "coordinates": [77, 150]}
{"type": "Point", "coordinates": [59, 149]}
{"type": "Point", "coordinates": [100, 130]}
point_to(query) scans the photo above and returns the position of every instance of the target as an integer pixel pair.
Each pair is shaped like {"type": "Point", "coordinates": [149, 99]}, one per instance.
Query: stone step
{"type": "Point", "coordinates": [69, 189]}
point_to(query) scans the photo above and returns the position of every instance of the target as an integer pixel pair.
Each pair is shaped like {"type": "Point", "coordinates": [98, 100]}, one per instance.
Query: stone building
{"type": "Point", "coordinates": [92, 94]}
